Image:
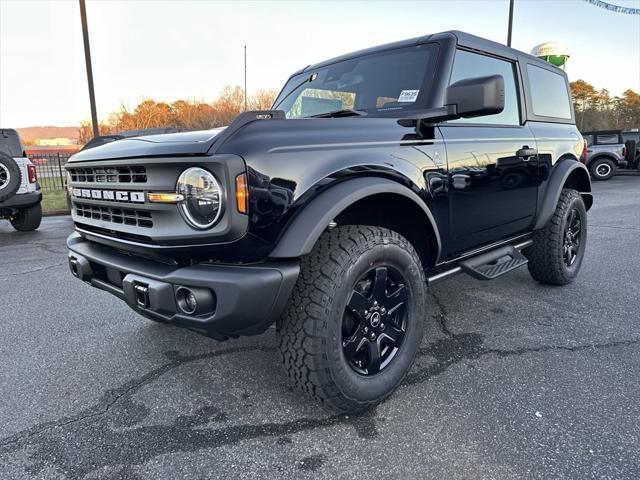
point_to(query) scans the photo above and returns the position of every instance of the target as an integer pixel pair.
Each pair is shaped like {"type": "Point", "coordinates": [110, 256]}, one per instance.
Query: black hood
{"type": "Point", "coordinates": [184, 143]}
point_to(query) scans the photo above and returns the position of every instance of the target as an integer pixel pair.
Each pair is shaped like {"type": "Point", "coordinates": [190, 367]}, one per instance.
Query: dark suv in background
{"type": "Point", "coordinates": [374, 175]}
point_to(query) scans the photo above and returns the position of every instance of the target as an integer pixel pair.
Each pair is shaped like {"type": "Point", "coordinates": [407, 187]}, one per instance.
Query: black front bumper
{"type": "Point", "coordinates": [247, 298]}
{"type": "Point", "coordinates": [22, 201]}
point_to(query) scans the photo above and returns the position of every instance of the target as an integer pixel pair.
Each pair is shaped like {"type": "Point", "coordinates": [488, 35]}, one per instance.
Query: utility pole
{"type": "Point", "coordinates": [87, 60]}
{"type": "Point", "coordinates": [510, 23]}
{"type": "Point", "coordinates": [245, 78]}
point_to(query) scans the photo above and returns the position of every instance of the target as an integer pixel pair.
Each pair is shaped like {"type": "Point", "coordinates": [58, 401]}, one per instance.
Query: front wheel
{"type": "Point", "coordinates": [355, 318]}
{"type": "Point", "coordinates": [558, 249]}
{"type": "Point", "coordinates": [28, 219]}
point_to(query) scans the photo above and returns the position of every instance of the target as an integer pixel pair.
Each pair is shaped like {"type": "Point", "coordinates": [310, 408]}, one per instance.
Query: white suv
{"type": "Point", "coordinates": [20, 194]}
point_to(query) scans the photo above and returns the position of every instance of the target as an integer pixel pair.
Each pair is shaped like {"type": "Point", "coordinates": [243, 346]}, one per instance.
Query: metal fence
{"type": "Point", "coordinates": [50, 169]}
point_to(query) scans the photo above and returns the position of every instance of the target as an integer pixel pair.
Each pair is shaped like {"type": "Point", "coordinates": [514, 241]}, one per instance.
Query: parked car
{"type": "Point", "coordinates": [20, 194]}
{"type": "Point", "coordinates": [374, 175]}
{"type": "Point", "coordinates": [606, 152]}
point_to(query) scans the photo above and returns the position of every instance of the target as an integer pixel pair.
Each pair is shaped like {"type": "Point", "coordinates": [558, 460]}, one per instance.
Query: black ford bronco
{"type": "Point", "coordinates": [374, 175]}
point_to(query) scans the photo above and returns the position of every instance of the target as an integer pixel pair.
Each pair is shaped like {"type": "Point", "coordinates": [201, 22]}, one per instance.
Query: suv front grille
{"type": "Point", "coordinates": [123, 174]}
{"type": "Point", "coordinates": [122, 216]}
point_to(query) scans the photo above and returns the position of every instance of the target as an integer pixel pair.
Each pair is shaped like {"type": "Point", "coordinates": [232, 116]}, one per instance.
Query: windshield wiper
{"type": "Point", "coordinates": [345, 112]}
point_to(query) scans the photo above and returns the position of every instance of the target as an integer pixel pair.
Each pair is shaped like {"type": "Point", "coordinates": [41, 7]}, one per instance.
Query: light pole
{"type": "Point", "coordinates": [245, 78]}
{"type": "Point", "coordinates": [87, 60]}
{"type": "Point", "coordinates": [510, 23]}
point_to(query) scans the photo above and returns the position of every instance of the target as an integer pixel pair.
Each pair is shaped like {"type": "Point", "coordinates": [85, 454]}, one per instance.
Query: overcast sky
{"type": "Point", "coordinates": [177, 49]}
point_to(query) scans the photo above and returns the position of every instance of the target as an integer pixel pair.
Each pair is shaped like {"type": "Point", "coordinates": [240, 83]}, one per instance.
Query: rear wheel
{"type": "Point", "coordinates": [558, 249]}
{"type": "Point", "coordinates": [10, 176]}
{"type": "Point", "coordinates": [355, 319]}
{"type": "Point", "coordinates": [28, 219]}
{"type": "Point", "coordinates": [602, 169]}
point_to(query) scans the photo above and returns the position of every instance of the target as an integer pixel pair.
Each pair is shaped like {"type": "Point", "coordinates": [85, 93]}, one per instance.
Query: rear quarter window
{"type": "Point", "coordinates": [549, 93]}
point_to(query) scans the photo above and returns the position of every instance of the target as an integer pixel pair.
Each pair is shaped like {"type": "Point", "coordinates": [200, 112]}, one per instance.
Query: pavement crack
{"type": "Point", "coordinates": [111, 397]}
{"type": "Point", "coordinates": [441, 317]}
{"type": "Point", "coordinates": [615, 227]}
{"type": "Point", "coordinates": [98, 442]}
{"type": "Point", "coordinates": [469, 346]}
{"type": "Point", "coordinates": [567, 348]}
{"type": "Point", "coordinates": [35, 270]}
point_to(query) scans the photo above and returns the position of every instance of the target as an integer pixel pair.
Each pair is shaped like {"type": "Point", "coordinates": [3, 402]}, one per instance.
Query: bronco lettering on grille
{"type": "Point", "coordinates": [109, 195]}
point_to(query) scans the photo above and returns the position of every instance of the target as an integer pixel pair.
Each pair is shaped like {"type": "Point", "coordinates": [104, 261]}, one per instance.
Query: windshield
{"type": "Point", "coordinates": [383, 82]}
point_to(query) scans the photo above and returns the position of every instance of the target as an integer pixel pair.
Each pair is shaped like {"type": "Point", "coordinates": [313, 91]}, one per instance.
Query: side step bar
{"type": "Point", "coordinates": [492, 264]}
{"type": "Point", "coordinates": [488, 265]}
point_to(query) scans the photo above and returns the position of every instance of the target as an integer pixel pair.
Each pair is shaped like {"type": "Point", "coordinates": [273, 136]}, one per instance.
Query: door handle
{"type": "Point", "coordinates": [525, 152]}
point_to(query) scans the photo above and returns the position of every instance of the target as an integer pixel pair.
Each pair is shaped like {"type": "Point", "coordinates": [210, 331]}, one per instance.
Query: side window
{"type": "Point", "coordinates": [549, 93]}
{"type": "Point", "coordinates": [470, 65]}
{"type": "Point", "coordinates": [608, 139]}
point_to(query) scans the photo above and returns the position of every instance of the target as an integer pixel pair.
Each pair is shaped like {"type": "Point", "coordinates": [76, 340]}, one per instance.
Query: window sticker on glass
{"type": "Point", "coordinates": [408, 96]}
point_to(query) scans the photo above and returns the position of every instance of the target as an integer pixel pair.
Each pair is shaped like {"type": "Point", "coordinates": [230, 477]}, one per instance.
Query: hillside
{"type": "Point", "coordinates": [31, 133]}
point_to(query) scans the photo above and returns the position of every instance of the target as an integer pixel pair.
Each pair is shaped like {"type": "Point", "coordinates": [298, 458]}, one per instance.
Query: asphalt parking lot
{"type": "Point", "coordinates": [513, 380]}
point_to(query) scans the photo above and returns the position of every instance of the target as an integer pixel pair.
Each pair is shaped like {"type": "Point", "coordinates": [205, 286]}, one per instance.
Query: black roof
{"type": "Point", "coordinates": [602, 132]}
{"type": "Point", "coordinates": [463, 39]}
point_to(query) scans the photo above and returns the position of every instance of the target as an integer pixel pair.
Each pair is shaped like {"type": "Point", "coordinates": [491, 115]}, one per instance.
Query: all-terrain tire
{"type": "Point", "coordinates": [602, 169]}
{"type": "Point", "coordinates": [10, 177]}
{"type": "Point", "coordinates": [310, 329]}
{"type": "Point", "coordinates": [28, 219]}
{"type": "Point", "coordinates": [547, 254]}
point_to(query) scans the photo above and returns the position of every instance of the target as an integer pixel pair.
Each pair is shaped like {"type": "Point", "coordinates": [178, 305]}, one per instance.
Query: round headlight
{"type": "Point", "coordinates": [202, 203]}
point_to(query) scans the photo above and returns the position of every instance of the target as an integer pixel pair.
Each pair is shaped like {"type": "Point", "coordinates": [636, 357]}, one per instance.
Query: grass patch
{"type": "Point", "coordinates": [53, 200]}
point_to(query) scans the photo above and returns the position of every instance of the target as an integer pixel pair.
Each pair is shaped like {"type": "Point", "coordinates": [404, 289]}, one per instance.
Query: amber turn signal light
{"type": "Point", "coordinates": [165, 197]}
{"type": "Point", "coordinates": [242, 193]}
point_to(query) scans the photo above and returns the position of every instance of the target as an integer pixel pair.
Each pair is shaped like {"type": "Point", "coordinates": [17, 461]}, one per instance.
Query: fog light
{"type": "Point", "coordinates": [191, 301]}
{"type": "Point", "coordinates": [195, 300]}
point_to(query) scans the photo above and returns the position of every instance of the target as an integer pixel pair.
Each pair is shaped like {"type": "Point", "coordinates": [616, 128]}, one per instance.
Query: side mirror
{"type": "Point", "coordinates": [471, 97]}
{"type": "Point", "coordinates": [476, 97]}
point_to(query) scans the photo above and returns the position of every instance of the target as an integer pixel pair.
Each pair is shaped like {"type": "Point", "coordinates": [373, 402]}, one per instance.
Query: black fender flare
{"type": "Point", "coordinates": [303, 231]}
{"type": "Point", "coordinates": [559, 176]}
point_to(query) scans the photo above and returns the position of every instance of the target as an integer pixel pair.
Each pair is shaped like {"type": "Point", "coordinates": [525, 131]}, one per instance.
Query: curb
{"type": "Point", "coordinates": [55, 213]}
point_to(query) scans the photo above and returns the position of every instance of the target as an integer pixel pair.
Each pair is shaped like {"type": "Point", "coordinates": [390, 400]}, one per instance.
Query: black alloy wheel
{"type": "Point", "coordinates": [374, 322]}
{"type": "Point", "coordinates": [572, 237]}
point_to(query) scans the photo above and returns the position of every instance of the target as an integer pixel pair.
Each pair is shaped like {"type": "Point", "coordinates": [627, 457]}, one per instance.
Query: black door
{"type": "Point", "coordinates": [492, 164]}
